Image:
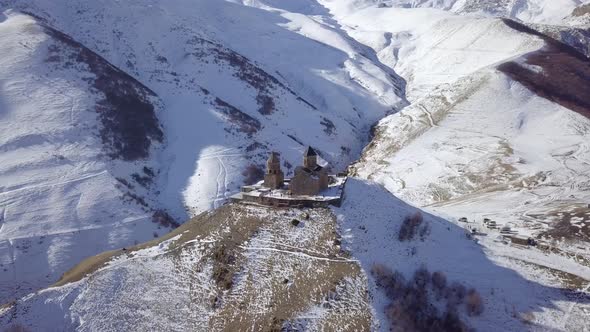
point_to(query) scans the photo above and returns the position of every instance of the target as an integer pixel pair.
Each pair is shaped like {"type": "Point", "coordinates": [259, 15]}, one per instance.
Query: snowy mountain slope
{"type": "Point", "coordinates": [430, 48]}
{"type": "Point", "coordinates": [470, 120]}
{"type": "Point", "coordinates": [520, 149]}
{"type": "Point", "coordinates": [69, 155]}
{"type": "Point", "coordinates": [555, 12]}
{"type": "Point", "coordinates": [237, 79]}
{"type": "Point", "coordinates": [227, 94]}
{"type": "Point", "coordinates": [234, 268]}
{"type": "Point", "coordinates": [243, 267]}
{"type": "Point", "coordinates": [517, 296]}
{"type": "Point", "coordinates": [501, 135]}
{"type": "Point", "coordinates": [325, 93]}
{"type": "Point", "coordinates": [477, 129]}
{"type": "Point", "coordinates": [580, 16]}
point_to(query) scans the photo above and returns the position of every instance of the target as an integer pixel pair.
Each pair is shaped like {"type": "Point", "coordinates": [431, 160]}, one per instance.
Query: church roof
{"type": "Point", "coordinates": [309, 152]}
{"type": "Point", "coordinates": [315, 169]}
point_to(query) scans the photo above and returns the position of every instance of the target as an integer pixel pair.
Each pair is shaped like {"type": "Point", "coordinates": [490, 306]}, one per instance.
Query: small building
{"type": "Point", "coordinates": [311, 178]}
{"type": "Point", "coordinates": [274, 177]}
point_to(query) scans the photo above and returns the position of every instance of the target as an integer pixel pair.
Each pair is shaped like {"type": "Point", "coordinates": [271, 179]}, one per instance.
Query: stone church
{"type": "Point", "coordinates": [309, 179]}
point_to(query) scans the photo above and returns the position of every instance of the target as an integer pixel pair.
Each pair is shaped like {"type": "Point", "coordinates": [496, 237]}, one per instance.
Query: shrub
{"type": "Point", "coordinates": [452, 322]}
{"type": "Point", "coordinates": [162, 217]}
{"type": "Point", "coordinates": [393, 283]}
{"type": "Point", "coordinates": [421, 277]}
{"type": "Point", "coordinates": [424, 231]}
{"type": "Point", "coordinates": [455, 294]}
{"type": "Point", "coordinates": [473, 303]}
{"type": "Point", "coordinates": [412, 309]}
{"type": "Point", "coordinates": [381, 273]}
{"type": "Point", "coordinates": [439, 283]}
{"type": "Point", "coordinates": [409, 226]}
{"type": "Point", "coordinates": [16, 328]}
{"type": "Point", "coordinates": [222, 259]}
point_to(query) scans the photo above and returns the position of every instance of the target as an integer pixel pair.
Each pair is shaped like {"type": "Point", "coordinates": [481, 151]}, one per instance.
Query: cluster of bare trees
{"type": "Point", "coordinates": [415, 302]}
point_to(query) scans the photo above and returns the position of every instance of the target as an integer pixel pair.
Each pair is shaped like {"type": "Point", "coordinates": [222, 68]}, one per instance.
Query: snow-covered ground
{"type": "Point", "coordinates": [515, 294]}
{"type": "Point", "coordinates": [296, 80]}
{"type": "Point", "coordinates": [502, 152]}
{"type": "Point", "coordinates": [231, 82]}
{"type": "Point", "coordinates": [474, 142]}
{"type": "Point", "coordinates": [315, 275]}
{"type": "Point", "coordinates": [278, 274]}
{"type": "Point", "coordinates": [429, 47]}
{"type": "Point", "coordinates": [60, 200]}
{"type": "Point", "coordinates": [554, 12]}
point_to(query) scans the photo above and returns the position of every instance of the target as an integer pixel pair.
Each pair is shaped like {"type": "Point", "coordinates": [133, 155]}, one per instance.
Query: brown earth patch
{"type": "Point", "coordinates": [563, 228]}
{"type": "Point", "coordinates": [317, 274]}
{"type": "Point", "coordinates": [564, 75]}
{"type": "Point", "coordinates": [266, 285]}
{"type": "Point", "coordinates": [570, 281]}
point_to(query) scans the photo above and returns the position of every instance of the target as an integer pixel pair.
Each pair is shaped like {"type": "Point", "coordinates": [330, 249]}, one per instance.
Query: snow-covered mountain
{"type": "Point", "coordinates": [123, 119]}
{"type": "Point", "coordinates": [555, 12]}
{"type": "Point", "coordinates": [498, 114]}
{"type": "Point", "coordinates": [222, 84]}
{"type": "Point", "coordinates": [77, 139]}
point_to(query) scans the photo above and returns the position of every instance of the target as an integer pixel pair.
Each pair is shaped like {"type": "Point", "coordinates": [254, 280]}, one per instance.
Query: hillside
{"type": "Point", "coordinates": [219, 106]}
{"type": "Point", "coordinates": [250, 267]}
{"type": "Point", "coordinates": [496, 130]}
{"type": "Point", "coordinates": [131, 121]}
{"type": "Point", "coordinates": [69, 155]}
{"type": "Point", "coordinates": [504, 130]}
{"type": "Point", "coordinates": [553, 12]}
